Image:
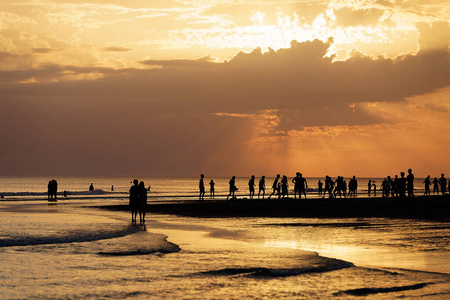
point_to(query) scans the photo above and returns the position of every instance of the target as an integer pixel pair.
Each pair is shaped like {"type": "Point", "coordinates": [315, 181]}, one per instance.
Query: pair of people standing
{"type": "Point", "coordinates": [201, 186]}
{"type": "Point", "coordinates": [52, 189]}
{"type": "Point", "coordinates": [138, 201]}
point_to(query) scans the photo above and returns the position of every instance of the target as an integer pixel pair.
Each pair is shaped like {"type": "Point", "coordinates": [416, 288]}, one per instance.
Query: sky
{"type": "Point", "coordinates": [242, 87]}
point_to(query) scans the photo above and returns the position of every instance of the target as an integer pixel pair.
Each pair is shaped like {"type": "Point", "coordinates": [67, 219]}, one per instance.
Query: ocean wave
{"type": "Point", "coordinates": [258, 272]}
{"type": "Point", "coordinates": [371, 291]}
{"type": "Point", "coordinates": [70, 237]}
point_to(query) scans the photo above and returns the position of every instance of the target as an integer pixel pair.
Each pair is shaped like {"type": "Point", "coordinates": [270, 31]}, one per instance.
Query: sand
{"type": "Point", "coordinates": [423, 207]}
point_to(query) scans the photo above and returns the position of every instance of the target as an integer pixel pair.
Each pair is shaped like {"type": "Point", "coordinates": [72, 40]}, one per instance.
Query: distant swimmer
{"type": "Point", "coordinates": [91, 187]}
{"type": "Point", "coordinates": [251, 186]}
{"type": "Point", "coordinates": [275, 187]}
{"type": "Point", "coordinates": [262, 186]}
{"type": "Point", "coordinates": [201, 186]}
{"type": "Point", "coordinates": [212, 189]}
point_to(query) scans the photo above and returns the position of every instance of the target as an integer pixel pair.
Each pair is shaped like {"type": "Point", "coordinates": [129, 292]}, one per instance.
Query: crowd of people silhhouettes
{"type": "Point", "coordinates": [400, 186]}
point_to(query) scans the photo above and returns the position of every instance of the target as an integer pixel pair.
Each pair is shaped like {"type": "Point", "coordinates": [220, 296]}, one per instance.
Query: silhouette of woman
{"type": "Point", "coordinates": [142, 197]}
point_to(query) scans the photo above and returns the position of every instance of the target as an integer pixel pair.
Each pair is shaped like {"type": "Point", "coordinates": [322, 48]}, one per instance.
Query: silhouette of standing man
{"type": "Point", "coordinates": [134, 200]}
{"type": "Point", "coordinates": [410, 183]}
{"type": "Point", "coordinates": [443, 182]}
{"type": "Point", "coordinates": [262, 186]}
{"type": "Point", "coordinates": [251, 186]}
{"type": "Point", "coordinates": [201, 186]}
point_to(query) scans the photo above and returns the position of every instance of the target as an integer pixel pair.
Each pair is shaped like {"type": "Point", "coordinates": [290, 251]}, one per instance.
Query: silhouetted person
{"type": "Point", "coordinates": [112, 188]}
{"type": "Point", "coordinates": [436, 186]}
{"type": "Point", "coordinates": [353, 187]}
{"type": "Point", "coordinates": [142, 198]}
{"type": "Point", "coordinates": [374, 189]}
{"type": "Point", "coordinates": [251, 186]}
{"type": "Point", "coordinates": [320, 186]}
{"type": "Point", "coordinates": [427, 183]}
{"type": "Point", "coordinates": [329, 184]}
{"type": "Point", "coordinates": [52, 189]}
{"type": "Point", "coordinates": [339, 189]}
{"type": "Point", "coordinates": [410, 183]}
{"type": "Point", "coordinates": [49, 191]}
{"type": "Point", "coordinates": [443, 183]}
{"type": "Point", "coordinates": [134, 200]}
{"type": "Point", "coordinates": [91, 187]}
{"type": "Point", "coordinates": [211, 189]}
{"type": "Point", "coordinates": [275, 187]}
{"type": "Point", "coordinates": [369, 187]}
{"type": "Point", "coordinates": [300, 185]}
{"type": "Point", "coordinates": [386, 188]}
{"type": "Point", "coordinates": [284, 186]}
{"type": "Point", "coordinates": [395, 186]}
{"type": "Point", "coordinates": [402, 185]}
{"type": "Point", "coordinates": [262, 186]}
{"type": "Point", "coordinates": [233, 188]}
{"type": "Point", "coordinates": [201, 186]}
{"type": "Point", "coordinates": [65, 193]}
{"type": "Point", "coordinates": [148, 189]}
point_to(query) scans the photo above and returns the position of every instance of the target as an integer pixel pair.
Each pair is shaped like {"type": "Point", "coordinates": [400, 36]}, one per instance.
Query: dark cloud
{"type": "Point", "coordinates": [162, 120]}
{"type": "Point", "coordinates": [116, 49]}
{"type": "Point", "coordinates": [44, 50]}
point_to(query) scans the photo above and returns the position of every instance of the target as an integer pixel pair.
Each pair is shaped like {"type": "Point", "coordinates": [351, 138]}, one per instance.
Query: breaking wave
{"type": "Point", "coordinates": [331, 265]}
{"type": "Point", "coordinates": [371, 291]}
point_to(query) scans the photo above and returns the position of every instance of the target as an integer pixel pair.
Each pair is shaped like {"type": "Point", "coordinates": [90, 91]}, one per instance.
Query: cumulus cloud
{"type": "Point", "coordinates": [199, 114]}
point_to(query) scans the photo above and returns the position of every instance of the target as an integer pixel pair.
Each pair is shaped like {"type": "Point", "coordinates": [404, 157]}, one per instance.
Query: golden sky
{"type": "Point", "coordinates": [168, 88]}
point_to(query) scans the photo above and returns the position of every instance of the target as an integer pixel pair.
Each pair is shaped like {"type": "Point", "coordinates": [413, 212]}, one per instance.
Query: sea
{"type": "Point", "coordinates": [74, 249]}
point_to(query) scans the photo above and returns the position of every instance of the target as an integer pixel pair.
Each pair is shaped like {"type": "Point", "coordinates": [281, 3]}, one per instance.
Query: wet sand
{"type": "Point", "coordinates": [422, 207]}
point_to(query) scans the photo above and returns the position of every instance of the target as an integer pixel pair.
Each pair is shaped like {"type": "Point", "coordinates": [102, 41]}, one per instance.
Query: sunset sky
{"type": "Point", "coordinates": [179, 88]}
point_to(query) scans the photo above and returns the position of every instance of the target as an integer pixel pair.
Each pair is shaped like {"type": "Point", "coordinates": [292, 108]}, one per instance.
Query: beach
{"type": "Point", "coordinates": [420, 207]}
{"type": "Point", "coordinates": [89, 249]}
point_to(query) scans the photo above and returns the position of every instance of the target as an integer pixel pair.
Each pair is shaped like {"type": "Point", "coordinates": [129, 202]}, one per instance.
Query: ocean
{"type": "Point", "coordinates": [74, 249]}
{"type": "Point", "coordinates": [161, 188]}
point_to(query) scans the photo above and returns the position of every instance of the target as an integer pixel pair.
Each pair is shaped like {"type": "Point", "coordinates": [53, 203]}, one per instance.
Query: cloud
{"type": "Point", "coordinates": [189, 116]}
{"type": "Point", "coordinates": [116, 49]}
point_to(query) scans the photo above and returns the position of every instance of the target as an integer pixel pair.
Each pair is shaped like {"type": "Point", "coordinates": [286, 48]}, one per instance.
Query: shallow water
{"type": "Point", "coordinates": [72, 251]}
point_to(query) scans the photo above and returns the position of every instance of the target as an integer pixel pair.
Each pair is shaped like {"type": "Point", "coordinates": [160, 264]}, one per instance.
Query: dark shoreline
{"type": "Point", "coordinates": [435, 208]}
